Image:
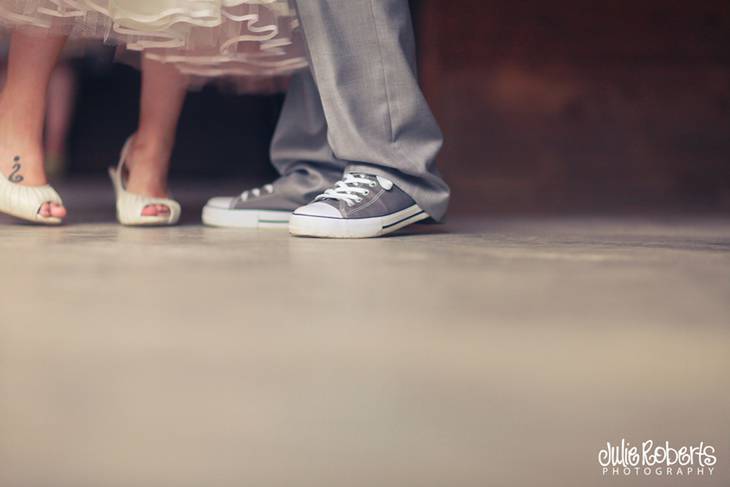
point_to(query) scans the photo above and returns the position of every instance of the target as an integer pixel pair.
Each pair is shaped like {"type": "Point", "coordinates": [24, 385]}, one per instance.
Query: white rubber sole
{"type": "Point", "coordinates": [327, 227]}
{"type": "Point", "coordinates": [227, 218]}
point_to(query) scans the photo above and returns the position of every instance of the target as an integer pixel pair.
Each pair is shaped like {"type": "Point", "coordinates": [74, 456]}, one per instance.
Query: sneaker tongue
{"type": "Point", "coordinates": [385, 183]}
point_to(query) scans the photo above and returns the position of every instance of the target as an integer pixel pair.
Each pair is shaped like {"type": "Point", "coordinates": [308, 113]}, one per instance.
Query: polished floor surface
{"type": "Point", "coordinates": [484, 352]}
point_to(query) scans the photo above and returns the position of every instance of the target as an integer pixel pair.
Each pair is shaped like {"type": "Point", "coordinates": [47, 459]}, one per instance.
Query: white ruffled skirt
{"type": "Point", "coordinates": [202, 38]}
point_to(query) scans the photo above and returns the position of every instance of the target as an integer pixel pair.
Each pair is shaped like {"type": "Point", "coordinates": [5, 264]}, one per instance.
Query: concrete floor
{"type": "Point", "coordinates": [490, 352]}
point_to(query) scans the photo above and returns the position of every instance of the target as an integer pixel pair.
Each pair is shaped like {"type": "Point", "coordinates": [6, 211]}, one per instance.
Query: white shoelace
{"type": "Point", "coordinates": [256, 192]}
{"type": "Point", "coordinates": [348, 189]}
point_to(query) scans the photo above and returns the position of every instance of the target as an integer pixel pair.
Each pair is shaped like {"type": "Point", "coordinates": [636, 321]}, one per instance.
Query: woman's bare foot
{"type": "Point", "coordinates": [21, 159]}
{"type": "Point", "coordinates": [148, 164]}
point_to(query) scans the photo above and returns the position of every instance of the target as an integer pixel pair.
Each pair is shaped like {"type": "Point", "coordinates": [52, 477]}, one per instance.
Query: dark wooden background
{"type": "Point", "coordinates": [546, 106]}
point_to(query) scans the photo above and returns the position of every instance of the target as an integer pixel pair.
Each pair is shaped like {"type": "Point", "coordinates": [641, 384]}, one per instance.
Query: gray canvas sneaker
{"type": "Point", "coordinates": [255, 208]}
{"type": "Point", "coordinates": [358, 206]}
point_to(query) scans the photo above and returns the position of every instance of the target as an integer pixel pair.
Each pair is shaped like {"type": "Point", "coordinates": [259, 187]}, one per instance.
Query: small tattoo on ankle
{"type": "Point", "coordinates": [14, 176]}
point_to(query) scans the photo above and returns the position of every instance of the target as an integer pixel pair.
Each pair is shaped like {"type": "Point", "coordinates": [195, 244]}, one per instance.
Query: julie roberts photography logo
{"type": "Point", "coordinates": [650, 459]}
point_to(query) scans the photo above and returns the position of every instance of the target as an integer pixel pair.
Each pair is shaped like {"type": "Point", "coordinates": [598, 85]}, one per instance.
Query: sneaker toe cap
{"type": "Point", "coordinates": [319, 209]}
{"type": "Point", "coordinates": [224, 203]}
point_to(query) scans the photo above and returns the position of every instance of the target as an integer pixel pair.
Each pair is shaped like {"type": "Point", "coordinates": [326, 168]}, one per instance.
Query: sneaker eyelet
{"type": "Point", "coordinates": [367, 192]}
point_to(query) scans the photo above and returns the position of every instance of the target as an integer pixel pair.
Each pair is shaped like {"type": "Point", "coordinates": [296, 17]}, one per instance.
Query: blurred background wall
{"type": "Point", "coordinates": [546, 106]}
{"type": "Point", "coordinates": [582, 105]}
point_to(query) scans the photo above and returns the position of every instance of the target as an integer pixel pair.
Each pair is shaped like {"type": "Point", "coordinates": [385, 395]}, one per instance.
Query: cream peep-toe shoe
{"type": "Point", "coordinates": [130, 205]}
{"type": "Point", "coordinates": [25, 202]}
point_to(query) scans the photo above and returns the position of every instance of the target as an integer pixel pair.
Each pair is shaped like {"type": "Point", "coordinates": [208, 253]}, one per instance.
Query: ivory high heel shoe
{"type": "Point", "coordinates": [130, 205]}
{"type": "Point", "coordinates": [25, 202]}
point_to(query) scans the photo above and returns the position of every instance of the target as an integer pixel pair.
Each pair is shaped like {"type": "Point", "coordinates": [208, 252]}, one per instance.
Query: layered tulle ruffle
{"type": "Point", "coordinates": [204, 38]}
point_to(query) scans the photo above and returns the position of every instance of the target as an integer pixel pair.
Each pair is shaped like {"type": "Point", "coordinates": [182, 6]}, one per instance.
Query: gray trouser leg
{"type": "Point", "coordinates": [362, 56]}
{"type": "Point", "coordinates": [299, 149]}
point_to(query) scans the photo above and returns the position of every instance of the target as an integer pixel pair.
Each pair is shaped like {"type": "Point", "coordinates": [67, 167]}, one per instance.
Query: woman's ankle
{"type": "Point", "coordinates": [149, 147]}
{"type": "Point", "coordinates": [21, 153]}
{"type": "Point", "coordinates": [148, 163]}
